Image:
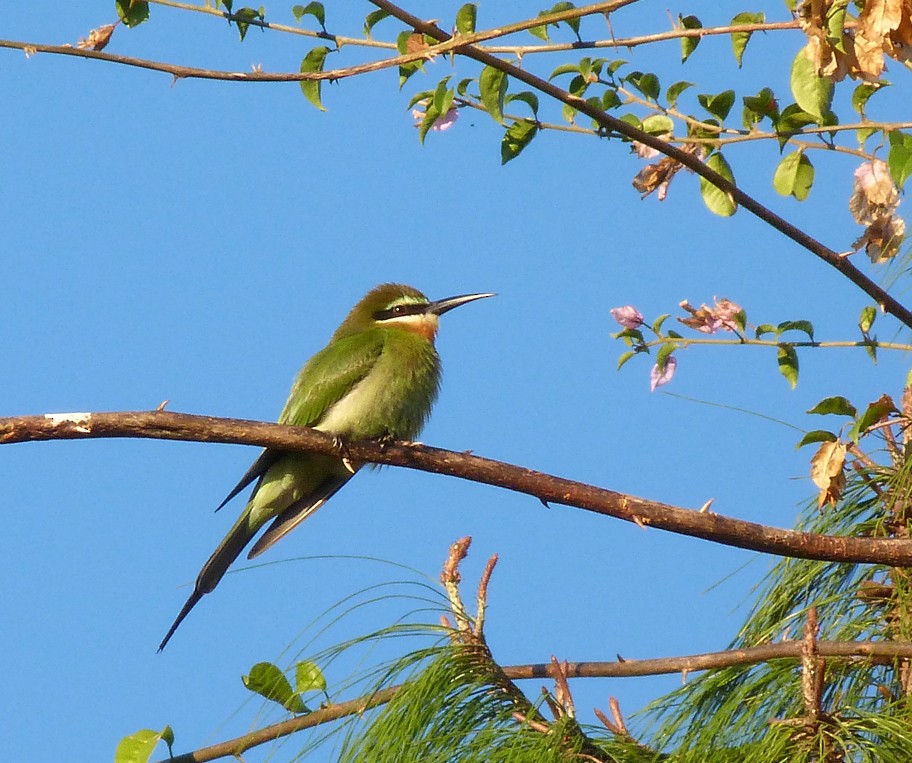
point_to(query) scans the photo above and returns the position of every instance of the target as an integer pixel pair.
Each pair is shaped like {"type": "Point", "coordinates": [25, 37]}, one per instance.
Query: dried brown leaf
{"type": "Point", "coordinates": [827, 471]}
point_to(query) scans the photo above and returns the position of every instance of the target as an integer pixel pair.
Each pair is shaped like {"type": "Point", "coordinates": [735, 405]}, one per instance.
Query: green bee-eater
{"type": "Point", "coordinates": [377, 378]}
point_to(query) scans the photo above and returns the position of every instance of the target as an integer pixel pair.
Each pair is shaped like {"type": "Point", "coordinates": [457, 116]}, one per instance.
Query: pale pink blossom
{"type": "Point", "coordinates": [874, 194]}
{"type": "Point", "coordinates": [659, 376]}
{"type": "Point", "coordinates": [628, 316]}
{"type": "Point", "coordinates": [441, 124]}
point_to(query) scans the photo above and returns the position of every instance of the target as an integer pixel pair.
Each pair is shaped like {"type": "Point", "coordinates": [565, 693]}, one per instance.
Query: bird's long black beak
{"type": "Point", "coordinates": [442, 306]}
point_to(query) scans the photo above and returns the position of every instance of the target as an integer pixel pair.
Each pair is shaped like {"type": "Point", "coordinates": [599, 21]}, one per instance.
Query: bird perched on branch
{"type": "Point", "coordinates": [377, 378]}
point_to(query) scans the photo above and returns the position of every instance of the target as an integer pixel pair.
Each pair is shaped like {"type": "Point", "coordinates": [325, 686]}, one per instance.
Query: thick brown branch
{"type": "Point", "coordinates": [548, 488]}
{"type": "Point", "coordinates": [613, 124]}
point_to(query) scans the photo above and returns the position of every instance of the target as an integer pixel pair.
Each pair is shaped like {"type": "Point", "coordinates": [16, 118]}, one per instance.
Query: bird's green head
{"type": "Point", "coordinates": [401, 306]}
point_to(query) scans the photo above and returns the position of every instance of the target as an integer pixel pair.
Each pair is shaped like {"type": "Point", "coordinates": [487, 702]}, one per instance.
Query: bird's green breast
{"type": "Point", "coordinates": [395, 397]}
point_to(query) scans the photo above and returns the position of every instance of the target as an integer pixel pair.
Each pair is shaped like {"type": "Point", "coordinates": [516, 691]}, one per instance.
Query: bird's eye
{"type": "Point", "coordinates": [398, 310]}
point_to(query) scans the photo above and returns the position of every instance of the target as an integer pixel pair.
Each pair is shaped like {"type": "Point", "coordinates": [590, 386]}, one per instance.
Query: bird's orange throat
{"type": "Point", "coordinates": [423, 325]}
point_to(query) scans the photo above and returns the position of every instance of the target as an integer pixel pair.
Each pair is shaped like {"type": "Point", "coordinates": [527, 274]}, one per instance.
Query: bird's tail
{"type": "Point", "coordinates": [215, 568]}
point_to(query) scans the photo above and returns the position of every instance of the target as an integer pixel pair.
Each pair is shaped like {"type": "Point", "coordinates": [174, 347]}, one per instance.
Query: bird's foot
{"type": "Point", "coordinates": [342, 446]}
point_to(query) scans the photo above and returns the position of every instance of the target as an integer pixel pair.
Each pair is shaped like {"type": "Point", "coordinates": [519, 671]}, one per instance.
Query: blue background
{"type": "Point", "coordinates": [197, 241]}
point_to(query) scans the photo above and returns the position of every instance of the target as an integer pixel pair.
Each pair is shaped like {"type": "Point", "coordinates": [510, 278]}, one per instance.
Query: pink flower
{"type": "Point", "coordinates": [659, 376]}
{"type": "Point", "coordinates": [628, 316]}
{"type": "Point", "coordinates": [441, 123]}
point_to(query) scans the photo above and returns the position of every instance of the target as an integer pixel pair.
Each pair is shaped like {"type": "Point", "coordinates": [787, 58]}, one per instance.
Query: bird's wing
{"type": "Point", "coordinates": [257, 469]}
{"type": "Point", "coordinates": [329, 376]}
{"type": "Point", "coordinates": [289, 519]}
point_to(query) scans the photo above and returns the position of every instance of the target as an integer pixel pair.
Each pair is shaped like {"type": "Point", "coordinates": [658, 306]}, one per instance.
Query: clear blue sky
{"type": "Point", "coordinates": [197, 242]}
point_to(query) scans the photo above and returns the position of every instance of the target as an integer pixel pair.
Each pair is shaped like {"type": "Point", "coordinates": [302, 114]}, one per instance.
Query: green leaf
{"type": "Point", "coordinates": [794, 176]}
{"type": "Point", "coordinates": [759, 107]}
{"type": "Point", "coordinates": [493, 85]}
{"type": "Point", "coordinates": [243, 17]}
{"type": "Point", "coordinates": [574, 24]}
{"type": "Point", "coordinates": [466, 17]}
{"type": "Point", "coordinates": [718, 201]}
{"type": "Point", "coordinates": [517, 137]}
{"type": "Point", "coordinates": [564, 69]}
{"type": "Point", "coordinates": [689, 44]}
{"type": "Point", "coordinates": [646, 82]}
{"type": "Point", "coordinates": [674, 92]}
{"type": "Point", "coordinates": [268, 681]}
{"type": "Point", "coordinates": [658, 124]}
{"type": "Point", "coordinates": [875, 412]}
{"type": "Point", "coordinates": [311, 9]}
{"type": "Point", "coordinates": [313, 62]}
{"type": "Point", "coordinates": [812, 93]}
{"type": "Point", "coordinates": [792, 119]}
{"type": "Point", "coordinates": [788, 364]}
{"type": "Point", "coordinates": [132, 12]}
{"type": "Point", "coordinates": [308, 677]}
{"type": "Point", "coordinates": [463, 86]}
{"type": "Point", "coordinates": [868, 316]}
{"type": "Point", "coordinates": [718, 105]}
{"type": "Point", "coordinates": [625, 357]}
{"type": "Point", "coordinates": [657, 323]}
{"type": "Point", "coordinates": [862, 93]}
{"type": "Point", "coordinates": [138, 747]}
{"type": "Point", "coordinates": [664, 353]}
{"type": "Point", "coordinates": [835, 23]}
{"type": "Point", "coordinates": [610, 99]}
{"type": "Point", "coordinates": [372, 19]}
{"type": "Point", "coordinates": [527, 97]}
{"type": "Point", "coordinates": [836, 405]}
{"type": "Point", "coordinates": [806, 326]}
{"type": "Point", "coordinates": [818, 435]}
{"type": "Point", "coordinates": [740, 39]}
{"type": "Point", "coordinates": [764, 328]}
{"type": "Point", "coordinates": [672, 334]}
{"type": "Point", "coordinates": [899, 159]}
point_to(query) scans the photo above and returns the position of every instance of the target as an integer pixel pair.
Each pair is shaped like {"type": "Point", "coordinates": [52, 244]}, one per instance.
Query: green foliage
{"type": "Point", "coordinates": [311, 9]}
{"type": "Point", "coordinates": [313, 62]}
{"type": "Point", "coordinates": [815, 436]}
{"type": "Point", "coordinates": [863, 93]}
{"type": "Point", "coordinates": [812, 93]}
{"type": "Point", "coordinates": [836, 405]}
{"type": "Point", "coordinates": [759, 107]}
{"type": "Point", "coordinates": [138, 747]}
{"type": "Point", "coordinates": [787, 358]}
{"type": "Point", "coordinates": [132, 12]}
{"type": "Point", "coordinates": [646, 82]}
{"type": "Point", "coordinates": [674, 92]}
{"type": "Point", "coordinates": [740, 39]}
{"type": "Point", "coordinates": [900, 157]}
{"type": "Point", "coordinates": [372, 19]}
{"type": "Point", "coordinates": [867, 318]}
{"type": "Point", "coordinates": [516, 138]}
{"type": "Point", "coordinates": [732, 707]}
{"type": "Point", "coordinates": [689, 44]}
{"type": "Point", "coordinates": [542, 31]}
{"type": "Point", "coordinates": [794, 176]}
{"type": "Point", "coordinates": [243, 16]}
{"type": "Point", "coordinates": [458, 709]}
{"type": "Point", "coordinates": [270, 682]}
{"type": "Point", "coordinates": [718, 201]}
{"type": "Point", "coordinates": [466, 17]}
{"type": "Point", "coordinates": [718, 105]}
{"type": "Point", "coordinates": [493, 85]}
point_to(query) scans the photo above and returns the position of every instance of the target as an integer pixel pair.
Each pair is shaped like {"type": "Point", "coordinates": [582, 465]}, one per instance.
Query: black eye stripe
{"type": "Point", "coordinates": [400, 311]}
